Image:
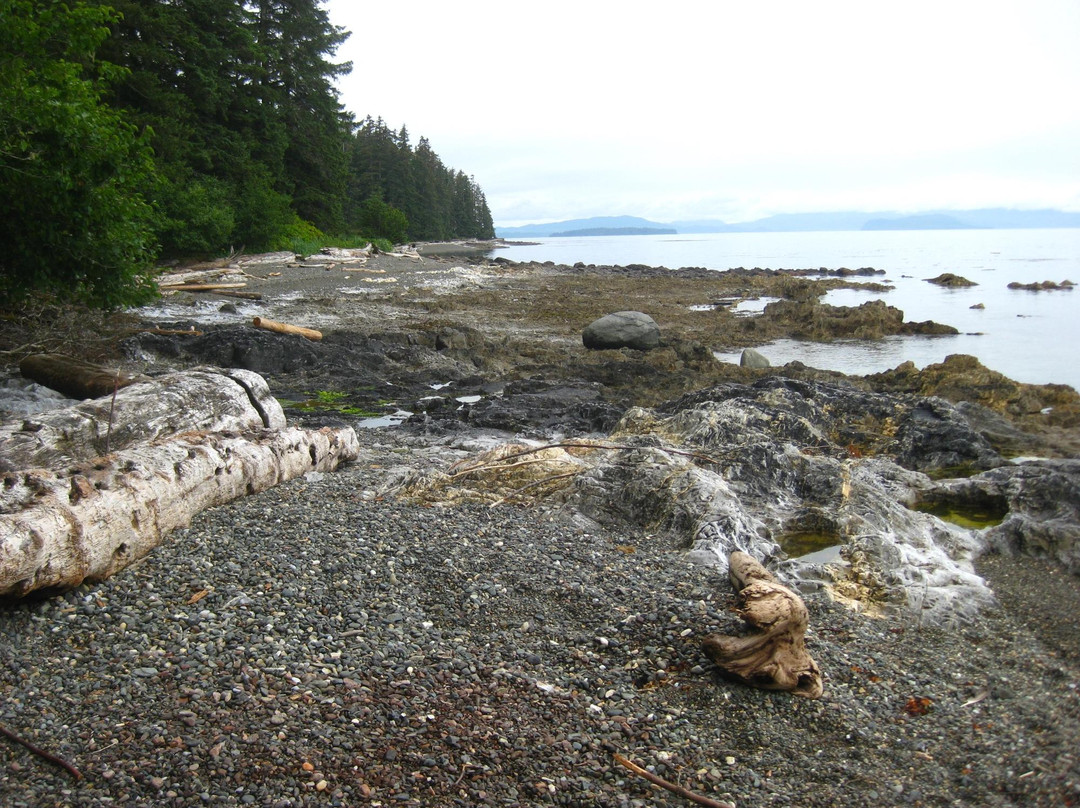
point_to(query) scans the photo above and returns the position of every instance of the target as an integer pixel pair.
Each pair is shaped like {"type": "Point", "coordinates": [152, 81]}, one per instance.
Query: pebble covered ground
{"type": "Point", "coordinates": [318, 644]}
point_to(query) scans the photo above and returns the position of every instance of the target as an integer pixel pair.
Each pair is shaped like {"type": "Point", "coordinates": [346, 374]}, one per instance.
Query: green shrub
{"type": "Point", "coordinates": [381, 220]}
{"type": "Point", "coordinates": [197, 220]}
{"type": "Point", "coordinates": [74, 220]}
{"type": "Point", "coordinates": [300, 237]}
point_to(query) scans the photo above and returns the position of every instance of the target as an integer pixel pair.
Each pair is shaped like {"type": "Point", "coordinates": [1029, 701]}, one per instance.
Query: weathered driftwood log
{"type": "Point", "coordinates": [75, 378]}
{"type": "Point", "coordinates": [61, 528]}
{"type": "Point", "coordinates": [774, 657]}
{"type": "Point", "coordinates": [198, 400]}
{"type": "Point", "coordinates": [200, 287]}
{"type": "Point", "coordinates": [285, 328]}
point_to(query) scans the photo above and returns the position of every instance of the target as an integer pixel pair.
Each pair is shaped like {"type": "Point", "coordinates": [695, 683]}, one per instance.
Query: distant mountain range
{"type": "Point", "coordinates": [988, 219]}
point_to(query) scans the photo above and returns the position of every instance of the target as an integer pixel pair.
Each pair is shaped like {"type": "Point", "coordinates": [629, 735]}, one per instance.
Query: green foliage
{"type": "Point", "coordinates": [189, 128]}
{"type": "Point", "coordinates": [438, 203]}
{"type": "Point", "coordinates": [241, 101]}
{"type": "Point", "coordinates": [383, 221]}
{"type": "Point", "coordinates": [73, 172]}
{"type": "Point", "coordinates": [330, 400]}
{"type": "Point", "coordinates": [198, 218]}
{"type": "Point", "coordinates": [300, 237]}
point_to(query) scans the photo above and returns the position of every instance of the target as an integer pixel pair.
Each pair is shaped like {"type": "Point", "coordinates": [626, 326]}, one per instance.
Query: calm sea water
{"type": "Point", "coordinates": [1029, 336]}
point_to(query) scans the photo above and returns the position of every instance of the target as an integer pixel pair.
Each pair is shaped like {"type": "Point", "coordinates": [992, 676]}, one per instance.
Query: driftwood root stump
{"type": "Point", "coordinates": [774, 656]}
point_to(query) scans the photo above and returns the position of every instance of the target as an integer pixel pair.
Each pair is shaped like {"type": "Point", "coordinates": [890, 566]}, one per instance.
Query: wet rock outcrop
{"type": "Point", "coordinates": [745, 467]}
{"type": "Point", "coordinates": [811, 320]}
{"type": "Point", "coordinates": [950, 280]}
{"type": "Point", "coordinates": [963, 378]}
{"type": "Point", "coordinates": [1043, 286]}
{"type": "Point", "coordinates": [1038, 502]}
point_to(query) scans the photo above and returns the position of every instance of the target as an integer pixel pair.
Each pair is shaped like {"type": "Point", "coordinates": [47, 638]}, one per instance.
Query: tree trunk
{"type": "Point", "coordinates": [200, 400]}
{"type": "Point", "coordinates": [774, 657]}
{"type": "Point", "coordinates": [61, 528]}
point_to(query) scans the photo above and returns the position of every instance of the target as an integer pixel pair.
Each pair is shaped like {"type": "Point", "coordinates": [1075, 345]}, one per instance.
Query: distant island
{"type": "Point", "coordinates": [618, 231]}
{"type": "Point", "coordinates": [928, 221]}
{"type": "Point", "coordinates": [985, 219]}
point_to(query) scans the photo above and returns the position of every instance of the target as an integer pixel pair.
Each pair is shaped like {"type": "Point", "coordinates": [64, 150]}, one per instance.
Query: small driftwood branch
{"type": "Point", "coordinates": [534, 484]}
{"type": "Point", "coordinates": [774, 657]}
{"type": "Point", "coordinates": [241, 295]}
{"type": "Point", "coordinates": [7, 733]}
{"type": "Point", "coordinates": [172, 332]}
{"type": "Point", "coordinates": [672, 787]}
{"type": "Point", "coordinates": [497, 466]}
{"type": "Point", "coordinates": [285, 328]}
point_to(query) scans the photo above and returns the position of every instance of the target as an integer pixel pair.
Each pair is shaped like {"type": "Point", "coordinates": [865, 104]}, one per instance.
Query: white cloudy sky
{"type": "Point", "coordinates": [730, 109]}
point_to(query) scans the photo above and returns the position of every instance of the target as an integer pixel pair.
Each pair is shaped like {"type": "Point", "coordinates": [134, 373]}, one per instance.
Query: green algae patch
{"type": "Point", "coordinates": [973, 517]}
{"type": "Point", "coordinates": [329, 401]}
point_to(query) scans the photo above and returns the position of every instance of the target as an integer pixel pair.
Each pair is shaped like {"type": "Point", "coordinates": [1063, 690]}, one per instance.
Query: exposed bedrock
{"type": "Point", "coordinates": [1038, 502]}
{"type": "Point", "coordinates": [778, 458]}
{"type": "Point", "coordinates": [764, 468]}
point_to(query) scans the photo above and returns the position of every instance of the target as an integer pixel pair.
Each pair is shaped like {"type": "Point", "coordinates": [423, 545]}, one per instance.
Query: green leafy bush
{"type": "Point", "coordinates": [197, 217]}
{"type": "Point", "coordinates": [300, 237]}
{"type": "Point", "coordinates": [73, 172]}
{"type": "Point", "coordinates": [380, 220]}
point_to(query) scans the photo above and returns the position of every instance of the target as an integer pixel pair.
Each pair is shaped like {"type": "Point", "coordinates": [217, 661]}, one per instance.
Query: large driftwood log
{"type": "Point", "coordinates": [286, 328]}
{"type": "Point", "coordinates": [60, 528]}
{"type": "Point", "coordinates": [75, 378]}
{"type": "Point", "coordinates": [773, 657]}
{"type": "Point", "coordinates": [200, 287]}
{"type": "Point", "coordinates": [200, 400]}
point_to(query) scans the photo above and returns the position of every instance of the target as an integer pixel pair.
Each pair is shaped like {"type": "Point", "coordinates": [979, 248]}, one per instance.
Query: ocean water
{"type": "Point", "coordinates": [1029, 336]}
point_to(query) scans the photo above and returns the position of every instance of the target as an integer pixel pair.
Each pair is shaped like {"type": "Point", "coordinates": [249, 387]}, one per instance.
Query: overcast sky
{"type": "Point", "coordinates": [730, 110]}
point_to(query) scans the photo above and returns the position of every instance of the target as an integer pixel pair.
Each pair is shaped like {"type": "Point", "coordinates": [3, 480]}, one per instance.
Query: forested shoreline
{"type": "Point", "coordinates": [139, 130]}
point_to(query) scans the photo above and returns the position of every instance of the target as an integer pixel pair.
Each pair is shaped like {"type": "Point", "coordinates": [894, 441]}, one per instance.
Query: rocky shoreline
{"type": "Point", "coordinates": [402, 633]}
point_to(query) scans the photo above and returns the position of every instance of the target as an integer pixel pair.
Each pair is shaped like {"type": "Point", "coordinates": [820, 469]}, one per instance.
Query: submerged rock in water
{"type": "Point", "coordinates": [951, 281]}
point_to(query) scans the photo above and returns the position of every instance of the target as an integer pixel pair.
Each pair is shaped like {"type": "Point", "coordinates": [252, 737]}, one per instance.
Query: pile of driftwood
{"type": "Point", "coordinates": [93, 487]}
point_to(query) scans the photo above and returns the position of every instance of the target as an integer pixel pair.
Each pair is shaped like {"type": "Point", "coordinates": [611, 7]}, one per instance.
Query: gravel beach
{"type": "Point", "coordinates": [326, 644]}
{"type": "Point", "coordinates": [318, 644]}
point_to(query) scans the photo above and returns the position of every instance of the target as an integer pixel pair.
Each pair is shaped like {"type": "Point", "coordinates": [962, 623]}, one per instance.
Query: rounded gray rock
{"type": "Point", "coordinates": [623, 329]}
{"type": "Point", "coordinates": [753, 359]}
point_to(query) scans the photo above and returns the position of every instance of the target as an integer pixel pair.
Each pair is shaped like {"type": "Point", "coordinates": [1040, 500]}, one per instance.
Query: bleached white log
{"type": "Point", "coordinates": [196, 400]}
{"type": "Point", "coordinates": [60, 528]}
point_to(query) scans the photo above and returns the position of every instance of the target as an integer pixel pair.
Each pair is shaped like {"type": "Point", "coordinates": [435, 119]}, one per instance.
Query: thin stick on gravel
{"type": "Point", "coordinates": [533, 484]}
{"type": "Point", "coordinates": [674, 789]}
{"type": "Point", "coordinates": [7, 733]}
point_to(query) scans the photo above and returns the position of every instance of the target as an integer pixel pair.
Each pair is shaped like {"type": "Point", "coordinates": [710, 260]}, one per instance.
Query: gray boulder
{"type": "Point", "coordinates": [623, 329]}
{"type": "Point", "coordinates": [753, 359]}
